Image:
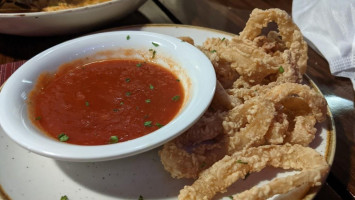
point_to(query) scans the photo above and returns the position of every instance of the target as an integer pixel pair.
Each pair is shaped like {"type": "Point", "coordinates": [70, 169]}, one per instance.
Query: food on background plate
{"type": "Point", "coordinates": [43, 5]}
{"type": "Point", "coordinates": [263, 114]}
{"type": "Point", "coordinates": [105, 102]}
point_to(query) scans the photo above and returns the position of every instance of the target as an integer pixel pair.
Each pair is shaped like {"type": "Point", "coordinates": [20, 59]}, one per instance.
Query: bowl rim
{"type": "Point", "coordinates": [110, 151]}
{"type": "Point", "coordinates": [63, 11]}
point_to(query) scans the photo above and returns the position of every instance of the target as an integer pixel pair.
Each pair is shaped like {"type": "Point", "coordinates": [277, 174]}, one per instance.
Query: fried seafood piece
{"type": "Point", "coordinates": [286, 113]}
{"type": "Point", "coordinates": [289, 32]}
{"type": "Point", "coordinates": [196, 149]}
{"type": "Point", "coordinates": [246, 125]}
{"type": "Point", "coordinates": [302, 107]}
{"type": "Point", "coordinates": [215, 135]}
{"type": "Point", "coordinates": [289, 113]}
{"type": "Point", "coordinates": [258, 59]}
{"type": "Point", "coordinates": [312, 165]}
{"type": "Point", "coordinates": [213, 48]}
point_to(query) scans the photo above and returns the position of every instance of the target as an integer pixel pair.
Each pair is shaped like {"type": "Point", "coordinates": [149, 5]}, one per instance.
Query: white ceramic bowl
{"type": "Point", "coordinates": [66, 21]}
{"type": "Point", "coordinates": [192, 67]}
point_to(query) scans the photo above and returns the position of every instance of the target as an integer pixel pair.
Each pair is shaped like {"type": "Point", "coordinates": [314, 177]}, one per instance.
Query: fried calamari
{"type": "Point", "coordinates": [223, 173]}
{"type": "Point", "coordinates": [261, 114]}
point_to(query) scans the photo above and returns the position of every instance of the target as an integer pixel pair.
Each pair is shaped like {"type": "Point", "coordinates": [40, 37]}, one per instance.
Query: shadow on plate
{"type": "Point", "coordinates": [126, 178]}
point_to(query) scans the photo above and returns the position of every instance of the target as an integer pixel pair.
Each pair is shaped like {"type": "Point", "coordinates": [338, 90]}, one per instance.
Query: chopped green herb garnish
{"type": "Point", "coordinates": [231, 197]}
{"type": "Point", "coordinates": [63, 137]}
{"type": "Point", "coordinates": [115, 110]}
{"type": "Point", "coordinates": [64, 197]}
{"type": "Point", "coordinates": [128, 80]}
{"type": "Point", "coordinates": [113, 139]}
{"type": "Point", "coordinates": [87, 103]}
{"type": "Point", "coordinates": [139, 64]}
{"type": "Point", "coordinates": [147, 100]}
{"type": "Point", "coordinates": [128, 94]}
{"type": "Point", "coordinates": [241, 162]}
{"type": "Point", "coordinates": [223, 39]}
{"type": "Point", "coordinates": [148, 123]}
{"type": "Point", "coordinates": [128, 37]}
{"type": "Point", "coordinates": [178, 80]}
{"type": "Point", "coordinates": [121, 103]}
{"type": "Point", "coordinates": [140, 197]}
{"type": "Point", "coordinates": [155, 44]}
{"type": "Point", "coordinates": [38, 118]}
{"type": "Point", "coordinates": [213, 51]}
{"type": "Point", "coordinates": [175, 98]}
{"type": "Point", "coordinates": [154, 52]}
{"type": "Point", "coordinates": [151, 86]}
{"type": "Point", "coordinates": [281, 69]}
{"type": "Point", "coordinates": [159, 125]}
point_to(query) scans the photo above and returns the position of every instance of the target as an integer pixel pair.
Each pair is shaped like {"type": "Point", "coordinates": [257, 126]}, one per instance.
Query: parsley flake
{"type": "Point", "coordinates": [213, 51]}
{"type": "Point", "coordinates": [147, 100]}
{"type": "Point", "coordinates": [128, 37]}
{"type": "Point", "coordinates": [155, 44]}
{"type": "Point", "coordinates": [113, 139]}
{"type": "Point", "coordinates": [128, 94]}
{"type": "Point", "coordinates": [223, 39]}
{"type": "Point", "coordinates": [231, 197]}
{"type": "Point", "coordinates": [159, 125]}
{"type": "Point", "coordinates": [87, 103]}
{"type": "Point", "coordinates": [241, 162]}
{"type": "Point", "coordinates": [281, 69]}
{"type": "Point", "coordinates": [148, 123]}
{"type": "Point", "coordinates": [178, 80]}
{"type": "Point", "coordinates": [64, 197]}
{"type": "Point", "coordinates": [139, 64]}
{"type": "Point", "coordinates": [151, 86]}
{"type": "Point", "coordinates": [175, 98]}
{"type": "Point", "coordinates": [38, 118]}
{"type": "Point", "coordinates": [128, 80]}
{"type": "Point", "coordinates": [154, 52]}
{"type": "Point", "coordinates": [63, 137]}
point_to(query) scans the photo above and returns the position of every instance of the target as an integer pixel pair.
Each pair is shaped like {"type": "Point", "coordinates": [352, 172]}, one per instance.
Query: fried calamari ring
{"type": "Point", "coordinates": [289, 32]}
{"type": "Point", "coordinates": [196, 149]}
{"type": "Point", "coordinates": [209, 141]}
{"type": "Point", "coordinates": [214, 49]}
{"type": "Point", "coordinates": [313, 99]}
{"type": "Point", "coordinates": [303, 106]}
{"type": "Point", "coordinates": [247, 124]}
{"type": "Point", "coordinates": [232, 168]}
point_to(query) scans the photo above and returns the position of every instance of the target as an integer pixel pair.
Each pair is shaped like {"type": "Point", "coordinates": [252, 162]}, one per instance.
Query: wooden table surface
{"type": "Point", "coordinates": [231, 16]}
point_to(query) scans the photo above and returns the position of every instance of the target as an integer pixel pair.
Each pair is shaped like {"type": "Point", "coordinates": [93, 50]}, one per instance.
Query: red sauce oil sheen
{"type": "Point", "coordinates": [90, 103]}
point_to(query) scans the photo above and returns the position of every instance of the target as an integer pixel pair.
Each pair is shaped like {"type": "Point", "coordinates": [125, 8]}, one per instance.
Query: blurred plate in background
{"type": "Point", "coordinates": [66, 21]}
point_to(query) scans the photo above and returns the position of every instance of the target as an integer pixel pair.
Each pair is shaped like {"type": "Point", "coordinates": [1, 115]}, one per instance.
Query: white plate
{"type": "Point", "coordinates": [66, 21]}
{"type": "Point", "coordinates": [25, 175]}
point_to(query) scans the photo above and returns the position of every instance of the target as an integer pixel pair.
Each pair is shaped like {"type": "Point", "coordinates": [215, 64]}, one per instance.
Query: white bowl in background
{"type": "Point", "coordinates": [192, 67]}
{"type": "Point", "coordinates": [66, 21]}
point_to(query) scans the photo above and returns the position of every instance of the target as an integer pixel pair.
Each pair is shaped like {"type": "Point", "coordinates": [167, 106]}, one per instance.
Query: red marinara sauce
{"type": "Point", "coordinates": [105, 102]}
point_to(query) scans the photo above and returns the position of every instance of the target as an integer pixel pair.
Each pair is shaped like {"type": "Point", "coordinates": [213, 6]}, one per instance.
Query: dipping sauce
{"type": "Point", "coordinates": [105, 102]}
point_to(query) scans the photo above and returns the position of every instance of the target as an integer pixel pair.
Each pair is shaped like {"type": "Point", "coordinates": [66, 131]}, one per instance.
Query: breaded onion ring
{"type": "Point", "coordinates": [232, 168]}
